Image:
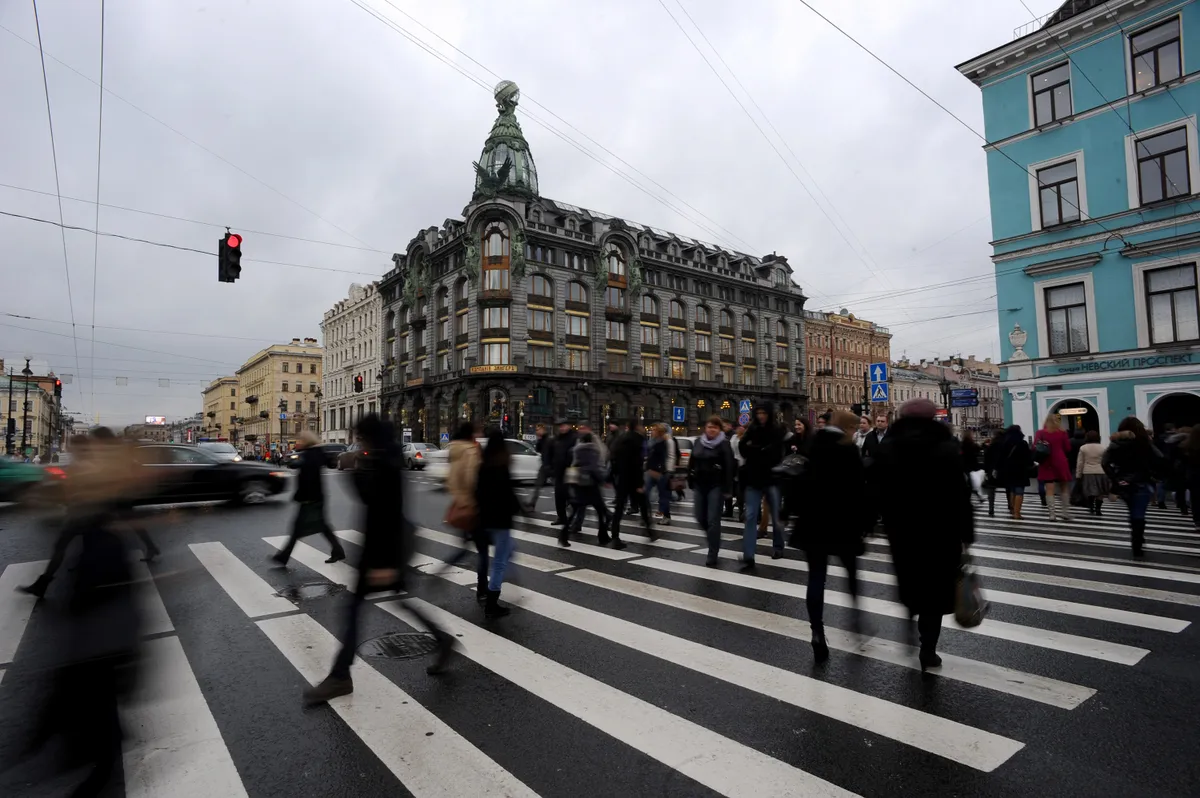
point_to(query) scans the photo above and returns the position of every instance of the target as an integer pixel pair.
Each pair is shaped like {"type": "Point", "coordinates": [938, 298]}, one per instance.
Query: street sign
{"type": "Point", "coordinates": [283, 416]}
{"type": "Point", "coordinates": [677, 416]}
{"type": "Point", "coordinates": [878, 372]}
{"type": "Point", "coordinates": [964, 397]}
{"type": "Point", "coordinates": [1073, 411]}
{"type": "Point", "coordinates": [879, 392]}
{"type": "Point", "coordinates": [744, 406]}
{"type": "Point", "coordinates": [744, 419]}
{"type": "Point", "coordinates": [445, 437]}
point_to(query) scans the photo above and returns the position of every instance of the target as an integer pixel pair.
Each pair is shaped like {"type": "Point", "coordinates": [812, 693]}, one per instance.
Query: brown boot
{"type": "Point", "coordinates": [1017, 502]}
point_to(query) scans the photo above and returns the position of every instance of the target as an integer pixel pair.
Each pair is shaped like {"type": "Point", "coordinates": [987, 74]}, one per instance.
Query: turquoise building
{"type": "Point", "coordinates": [1093, 169]}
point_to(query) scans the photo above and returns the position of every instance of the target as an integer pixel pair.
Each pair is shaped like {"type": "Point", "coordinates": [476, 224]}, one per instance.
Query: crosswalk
{"type": "Point", "coordinates": [639, 671]}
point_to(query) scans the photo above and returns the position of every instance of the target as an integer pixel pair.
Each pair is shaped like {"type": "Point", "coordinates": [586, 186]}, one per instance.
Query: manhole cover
{"type": "Point", "coordinates": [399, 645]}
{"type": "Point", "coordinates": [310, 591]}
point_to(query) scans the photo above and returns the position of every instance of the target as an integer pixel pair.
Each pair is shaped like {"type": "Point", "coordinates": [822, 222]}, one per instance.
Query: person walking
{"type": "Point", "coordinates": [1134, 464]}
{"type": "Point", "coordinates": [838, 516]}
{"type": "Point", "coordinates": [658, 470]}
{"type": "Point", "coordinates": [971, 463]}
{"type": "Point", "coordinates": [389, 541]}
{"type": "Point", "coordinates": [628, 483]}
{"type": "Point", "coordinates": [1089, 472]}
{"type": "Point", "coordinates": [463, 513]}
{"type": "Point", "coordinates": [991, 465]}
{"type": "Point", "coordinates": [738, 501]}
{"type": "Point", "coordinates": [545, 450]}
{"type": "Point", "coordinates": [763, 449]}
{"type": "Point", "coordinates": [928, 538]}
{"type": "Point", "coordinates": [588, 468]}
{"type": "Point", "coordinates": [1052, 448]}
{"type": "Point", "coordinates": [874, 439]}
{"type": "Point", "coordinates": [310, 496]}
{"type": "Point", "coordinates": [710, 476]}
{"type": "Point", "coordinates": [496, 498]}
{"type": "Point", "coordinates": [1014, 462]}
{"type": "Point", "coordinates": [560, 461]}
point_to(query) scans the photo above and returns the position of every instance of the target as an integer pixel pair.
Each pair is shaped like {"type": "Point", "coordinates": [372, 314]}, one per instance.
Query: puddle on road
{"type": "Point", "coordinates": [399, 645]}
{"type": "Point", "coordinates": [310, 591]}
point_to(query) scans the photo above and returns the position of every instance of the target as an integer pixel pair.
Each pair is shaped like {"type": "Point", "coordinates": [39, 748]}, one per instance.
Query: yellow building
{"type": "Point", "coordinates": [281, 373]}
{"type": "Point", "coordinates": [221, 410]}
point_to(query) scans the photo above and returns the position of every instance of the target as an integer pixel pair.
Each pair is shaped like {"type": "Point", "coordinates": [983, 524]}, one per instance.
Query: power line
{"type": "Point", "coordinates": [182, 248]}
{"type": "Point", "coordinates": [121, 346]}
{"type": "Point", "coordinates": [139, 329]}
{"type": "Point", "coordinates": [186, 138]}
{"type": "Point", "coordinates": [218, 225]}
{"type": "Point", "coordinates": [57, 186]}
{"type": "Point", "coordinates": [96, 224]}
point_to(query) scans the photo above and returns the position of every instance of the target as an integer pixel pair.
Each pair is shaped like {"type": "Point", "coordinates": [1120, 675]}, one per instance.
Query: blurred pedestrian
{"type": "Point", "coordinates": [1089, 472]}
{"type": "Point", "coordinates": [971, 463]}
{"type": "Point", "coordinates": [561, 457]}
{"type": "Point", "coordinates": [927, 538]}
{"type": "Point", "coordinates": [545, 449]}
{"type": "Point", "coordinates": [388, 544]}
{"type": "Point", "coordinates": [710, 475]}
{"type": "Point", "coordinates": [1051, 447]}
{"type": "Point", "coordinates": [628, 483]}
{"type": "Point", "coordinates": [659, 467]}
{"type": "Point", "coordinates": [1134, 464]}
{"type": "Point", "coordinates": [739, 484]}
{"type": "Point", "coordinates": [310, 495]}
{"type": "Point", "coordinates": [496, 498]}
{"type": "Point", "coordinates": [587, 469]}
{"type": "Point", "coordinates": [838, 513]}
{"type": "Point", "coordinates": [762, 447]}
{"type": "Point", "coordinates": [991, 478]}
{"type": "Point", "coordinates": [463, 514]}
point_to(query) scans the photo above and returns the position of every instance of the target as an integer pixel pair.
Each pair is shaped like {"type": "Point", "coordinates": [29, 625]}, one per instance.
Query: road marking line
{"type": "Point", "coordinates": [663, 543]}
{"type": "Point", "coordinates": [173, 746]}
{"type": "Point", "coordinates": [1057, 641]}
{"type": "Point", "coordinates": [1028, 556]}
{"type": "Point", "coordinates": [518, 557]}
{"type": "Point", "coordinates": [581, 548]}
{"type": "Point", "coordinates": [1082, 541]}
{"type": "Point", "coordinates": [154, 617]}
{"type": "Point", "coordinates": [337, 572]}
{"type": "Point", "coordinates": [981, 674]}
{"type": "Point", "coordinates": [429, 758]}
{"type": "Point", "coordinates": [16, 607]}
{"type": "Point", "coordinates": [248, 590]}
{"type": "Point", "coordinates": [723, 765]}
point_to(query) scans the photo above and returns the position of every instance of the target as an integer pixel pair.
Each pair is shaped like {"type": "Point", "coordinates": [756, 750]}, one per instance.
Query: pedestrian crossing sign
{"type": "Point", "coordinates": [445, 437]}
{"type": "Point", "coordinates": [744, 406]}
{"type": "Point", "coordinates": [879, 392]}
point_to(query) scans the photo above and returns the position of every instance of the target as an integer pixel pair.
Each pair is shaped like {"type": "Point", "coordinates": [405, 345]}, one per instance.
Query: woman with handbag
{"type": "Point", "coordinates": [1134, 464]}
{"type": "Point", "coordinates": [838, 516]}
{"type": "Point", "coordinates": [463, 513]}
{"type": "Point", "coordinates": [710, 476]}
{"type": "Point", "coordinates": [1052, 451]}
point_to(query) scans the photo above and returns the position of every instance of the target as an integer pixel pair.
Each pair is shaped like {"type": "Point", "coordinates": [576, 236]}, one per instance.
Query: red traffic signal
{"type": "Point", "coordinates": [358, 384]}
{"type": "Point", "coordinates": [233, 240]}
{"type": "Point", "coordinates": [58, 387]}
{"type": "Point", "coordinates": [229, 258]}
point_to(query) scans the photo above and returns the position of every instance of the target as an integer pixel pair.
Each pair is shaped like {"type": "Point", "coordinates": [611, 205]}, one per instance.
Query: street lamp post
{"type": "Point", "coordinates": [27, 373]}
{"type": "Point", "coordinates": [10, 424]}
{"type": "Point", "coordinates": [283, 405]}
{"type": "Point", "coordinates": [319, 395]}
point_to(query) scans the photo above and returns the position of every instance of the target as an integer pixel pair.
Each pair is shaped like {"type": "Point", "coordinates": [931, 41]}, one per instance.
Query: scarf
{"type": "Point", "coordinates": [712, 443]}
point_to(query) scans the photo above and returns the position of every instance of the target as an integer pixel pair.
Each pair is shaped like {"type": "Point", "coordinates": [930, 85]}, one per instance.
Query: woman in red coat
{"type": "Point", "coordinates": [1054, 467]}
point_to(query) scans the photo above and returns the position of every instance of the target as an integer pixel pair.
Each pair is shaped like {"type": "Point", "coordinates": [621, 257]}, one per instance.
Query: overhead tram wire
{"type": "Point", "coordinates": [222, 363]}
{"type": "Point", "coordinates": [525, 96]}
{"type": "Point", "coordinates": [218, 225]}
{"type": "Point", "coordinates": [264, 340]}
{"type": "Point", "coordinates": [57, 188]}
{"type": "Point", "coordinates": [96, 224]}
{"type": "Point", "coordinates": [184, 136]}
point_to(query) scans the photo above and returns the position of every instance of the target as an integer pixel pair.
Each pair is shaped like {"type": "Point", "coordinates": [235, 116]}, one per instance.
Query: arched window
{"type": "Point", "coordinates": [570, 224]}
{"type": "Point", "coordinates": [702, 316]}
{"type": "Point", "coordinates": [443, 302]}
{"type": "Point", "coordinates": [495, 241]}
{"type": "Point", "coordinates": [615, 260]}
{"type": "Point", "coordinates": [391, 324]}
{"type": "Point", "coordinates": [747, 326]}
{"type": "Point", "coordinates": [541, 287]}
{"type": "Point", "coordinates": [536, 215]}
{"type": "Point", "coordinates": [676, 310]}
{"type": "Point", "coordinates": [495, 257]}
{"type": "Point", "coordinates": [577, 292]}
{"type": "Point", "coordinates": [462, 292]}
{"type": "Point", "coordinates": [780, 329]}
{"type": "Point", "coordinates": [649, 304]}
{"type": "Point", "coordinates": [674, 250]}
{"type": "Point", "coordinates": [726, 319]}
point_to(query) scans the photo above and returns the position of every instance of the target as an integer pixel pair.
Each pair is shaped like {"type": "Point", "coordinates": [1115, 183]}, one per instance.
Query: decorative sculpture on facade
{"type": "Point", "coordinates": [516, 256]}
{"type": "Point", "coordinates": [471, 262]}
{"type": "Point", "coordinates": [635, 280]}
{"type": "Point", "coordinates": [601, 268]}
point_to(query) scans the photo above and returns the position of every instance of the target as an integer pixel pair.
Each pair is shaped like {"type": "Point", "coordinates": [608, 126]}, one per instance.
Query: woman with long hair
{"type": "Point", "coordinates": [1089, 471]}
{"type": "Point", "coordinates": [498, 504]}
{"type": "Point", "coordinates": [1014, 461]}
{"type": "Point", "coordinates": [463, 455]}
{"type": "Point", "coordinates": [1052, 450]}
{"type": "Point", "coordinates": [1134, 464]}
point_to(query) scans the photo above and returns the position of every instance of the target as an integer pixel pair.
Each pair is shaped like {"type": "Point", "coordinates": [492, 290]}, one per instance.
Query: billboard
{"type": "Point", "coordinates": [159, 420]}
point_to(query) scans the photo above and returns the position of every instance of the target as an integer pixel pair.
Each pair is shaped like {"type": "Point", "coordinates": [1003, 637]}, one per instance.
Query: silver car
{"type": "Point", "coordinates": [525, 461]}
{"type": "Point", "coordinates": [221, 451]}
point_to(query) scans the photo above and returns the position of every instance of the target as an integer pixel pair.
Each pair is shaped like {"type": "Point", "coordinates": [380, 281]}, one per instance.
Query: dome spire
{"type": "Point", "coordinates": [506, 165]}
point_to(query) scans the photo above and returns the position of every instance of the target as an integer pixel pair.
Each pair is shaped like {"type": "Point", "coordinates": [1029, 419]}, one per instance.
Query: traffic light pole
{"type": "Point", "coordinates": [10, 425]}
{"type": "Point", "coordinates": [25, 372]}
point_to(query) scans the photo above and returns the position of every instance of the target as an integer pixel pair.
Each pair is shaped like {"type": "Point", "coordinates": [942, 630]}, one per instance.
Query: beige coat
{"type": "Point", "coordinates": [1090, 456]}
{"type": "Point", "coordinates": [464, 470]}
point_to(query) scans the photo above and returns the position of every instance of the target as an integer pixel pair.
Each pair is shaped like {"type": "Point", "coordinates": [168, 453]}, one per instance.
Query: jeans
{"type": "Point", "coordinates": [502, 539]}
{"type": "Point", "coordinates": [814, 598]}
{"type": "Point", "coordinates": [663, 483]}
{"type": "Point", "coordinates": [1138, 499]}
{"type": "Point", "coordinates": [589, 496]}
{"type": "Point", "coordinates": [754, 501]}
{"type": "Point", "coordinates": [707, 506]}
{"type": "Point", "coordinates": [626, 492]}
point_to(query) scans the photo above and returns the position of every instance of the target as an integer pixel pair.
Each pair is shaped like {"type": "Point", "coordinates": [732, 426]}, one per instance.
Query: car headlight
{"type": "Point", "coordinates": [237, 458]}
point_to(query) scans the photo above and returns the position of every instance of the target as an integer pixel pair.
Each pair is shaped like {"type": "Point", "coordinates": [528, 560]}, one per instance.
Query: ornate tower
{"type": "Point", "coordinates": [506, 165]}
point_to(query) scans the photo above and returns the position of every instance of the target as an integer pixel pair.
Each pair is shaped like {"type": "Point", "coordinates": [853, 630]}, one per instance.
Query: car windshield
{"type": "Point", "coordinates": [219, 448]}
{"type": "Point", "coordinates": [684, 443]}
{"type": "Point", "coordinates": [421, 447]}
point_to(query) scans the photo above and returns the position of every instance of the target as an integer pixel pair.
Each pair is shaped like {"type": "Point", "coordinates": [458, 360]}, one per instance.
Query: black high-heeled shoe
{"type": "Point", "coordinates": [820, 648]}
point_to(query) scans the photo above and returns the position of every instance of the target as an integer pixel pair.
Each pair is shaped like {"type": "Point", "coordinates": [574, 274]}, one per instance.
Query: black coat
{"type": "Point", "coordinates": [870, 447]}
{"type": "Point", "coordinates": [837, 509]}
{"type": "Point", "coordinates": [388, 539]}
{"type": "Point", "coordinates": [545, 448]}
{"type": "Point", "coordinates": [762, 449]}
{"type": "Point", "coordinates": [496, 497]}
{"type": "Point", "coordinates": [970, 456]}
{"type": "Point", "coordinates": [308, 477]}
{"type": "Point", "coordinates": [626, 457]}
{"type": "Point", "coordinates": [712, 467]}
{"type": "Point", "coordinates": [1131, 462]}
{"type": "Point", "coordinates": [1013, 462]}
{"type": "Point", "coordinates": [925, 502]}
{"type": "Point", "coordinates": [561, 454]}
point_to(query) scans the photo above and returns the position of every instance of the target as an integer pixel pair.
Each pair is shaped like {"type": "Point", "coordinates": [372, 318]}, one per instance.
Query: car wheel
{"type": "Point", "coordinates": [254, 492]}
{"type": "Point", "coordinates": [339, 465]}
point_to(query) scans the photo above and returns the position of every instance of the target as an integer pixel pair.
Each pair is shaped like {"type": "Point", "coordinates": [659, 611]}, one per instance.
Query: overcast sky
{"type": "Point", "coordinates": [311, 119]}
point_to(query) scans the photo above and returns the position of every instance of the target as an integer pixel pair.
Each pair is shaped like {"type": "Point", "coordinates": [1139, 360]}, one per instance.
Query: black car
{"type": "Point", "coordinates": [329, 453]}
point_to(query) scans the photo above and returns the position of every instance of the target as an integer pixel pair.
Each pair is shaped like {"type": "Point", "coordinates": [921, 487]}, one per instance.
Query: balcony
{"type": "Point", "coordinates": [462, 338]}
{"type": "Point", "coordinates": [750, 361]}
{"type": "Point", "coordinates": [444, 312]}
{"type": "Point", "coordinates": [727, 360]}
{"type": "Point", "coordinates": [495, 296]}
{"type": "Point", "coordinates": [823, 373]}
{"type": "Point", "coordinates": [579, 307]}
{"type": "Point", "coordinates": [617, 314]}
{"type": "Point", "coordinates": [461, 304]}
{"type": "Point", "coordinates": [541, 300]}
{"type": "Point", "coordinates": [677, 351]}
{"type": "Point", "coordinates": [651, 318]}
{"type": "Point", "coordinates": [616, 343]}
{"type": "Point", "coordinates": [579, 340]}
{"type": "Point", "coordinates": [541, 335]}
{"type": "Point", "coordinates": [419, 322]}
{"type": "Point", "coordinates": [726, 331]}
{"type": "Point", "coordinates": [422, 352]}
{"type": "Point", "coordinates": [680, 323]}
{"type": "Point", "coordinates": [781, 339]}
{"type": "Point", "coordinates": [703, 326]}
{"type": "Point", "coordinates": [495, 332]}
{"type": "Point", "coordinates": [650, 349]}
{"type": "Point", "coordinates": [704, 357]}
{"type": "Point", "coordinates": [390, 335]}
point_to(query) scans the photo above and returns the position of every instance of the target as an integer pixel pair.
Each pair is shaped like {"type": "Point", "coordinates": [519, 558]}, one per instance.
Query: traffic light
{"type": "Point", "coordinates": [58, 388]}
{"type": "Point", "coordinates": [358, 384]}
{"type": "Point", "coordinates": [229, 258]}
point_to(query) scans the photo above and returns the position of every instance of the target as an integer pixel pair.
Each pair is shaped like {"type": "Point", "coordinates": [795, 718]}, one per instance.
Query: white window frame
{"type": "Point", "coordinates": [1138, 273]}
{"type": "Point", "coordinates": [1131, 175]}
{"type": "Point", "coordinates": [1039, 300]}
{"type": "Point", "coordinates": [1071, 80]}
{"type": "Point", "coordinates": [1035, 200]}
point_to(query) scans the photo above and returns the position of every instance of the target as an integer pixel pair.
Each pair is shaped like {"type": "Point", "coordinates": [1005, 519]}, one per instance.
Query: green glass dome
{"type": "Point", "coordinates": [506, 165]}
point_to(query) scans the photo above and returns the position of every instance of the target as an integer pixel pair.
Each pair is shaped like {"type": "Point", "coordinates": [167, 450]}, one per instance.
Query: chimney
{"type": "Point", "coordinates": [296, 341]}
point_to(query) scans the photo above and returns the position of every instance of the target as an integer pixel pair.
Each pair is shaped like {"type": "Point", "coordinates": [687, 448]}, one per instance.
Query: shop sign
{"type": "Point", "coordinates": [1124, 364]}
{"type": "Point", "coordinates": [496, 369]}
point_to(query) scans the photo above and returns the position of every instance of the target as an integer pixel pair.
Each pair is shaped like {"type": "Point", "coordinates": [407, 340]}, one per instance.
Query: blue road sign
{"type": "Point", "coordinates": [283, 416]}
{"type": "Point", "coordinates": [677, 416]}
{"type": "Point", "coordinates": [879, 392]}
{"type": "Point", "coordinates": [445, 437]}
{"type": "Point", "coordinates": [744, 406]}
{"type": "Point", "coordinates": [744, 419]}
{"type": "Point", "coordinates": [964, 397]}
{"type": "Point", "coordinates": [878, 372]}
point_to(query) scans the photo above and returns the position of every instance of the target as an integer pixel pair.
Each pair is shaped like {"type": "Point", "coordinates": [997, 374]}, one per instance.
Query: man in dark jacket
{"type": "Point", "coordinates": [545, 449]}
{"type": "Point", "coordinates": [920, 458]}
{"type": "Point", "coordinates": [875, 438]}
{"type": "Point", "coordinates": [762, 449]}
{"type": "Point", "coordinates": [561, 455]}
{"type": "Point", "coordinates": [310, 495]}
{"type": "Point", "coordinates": [388, 544]}
{"type": "Point", "coordinates": [626, 457]}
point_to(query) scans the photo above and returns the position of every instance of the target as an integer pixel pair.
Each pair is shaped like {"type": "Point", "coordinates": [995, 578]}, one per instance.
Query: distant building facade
{"type": "Point", "coordinates": [158, 433]}
{"type": "Point", "coordinates": [528, 309]}
{"type": "Point", "coordinates": [1093, 167]}
{"type": "Point", "coordinates": [220, 413]}
{"type": "Point", "coordinates": [43, 421]}
{"type": "Point", "coordinates": [839, 348]}
{"type": "Point", "coordinates": [967, 373]}
{"type": "Point", "coordinates": [278, 390]}
{"type": "Point", "coordinates": [352, 331]}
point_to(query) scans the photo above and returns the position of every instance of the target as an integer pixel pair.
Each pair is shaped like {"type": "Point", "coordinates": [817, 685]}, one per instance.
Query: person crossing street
{"type": "Point", "coordinates": [310, 495]}
{"type": "Point", "coordinates": [626, 453]}
{"type": "Point", "coordinates": [762, 448]}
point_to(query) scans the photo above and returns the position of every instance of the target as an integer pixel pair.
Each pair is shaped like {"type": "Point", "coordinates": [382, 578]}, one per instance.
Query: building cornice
{"type": "Point", "coordinates": [1063, 264]}
{"type": "Point", "coordinates": [1103, 235]}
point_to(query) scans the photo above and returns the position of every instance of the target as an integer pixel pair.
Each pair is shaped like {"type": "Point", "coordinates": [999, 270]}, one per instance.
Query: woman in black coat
{"type": "Point", "coordinates": [1014, 468]}
{"type": "Point", "coordinates": [837, 516]}
{"type": "Point", "coordinates": [498, 504]}
{"type": "Point", "coordinates": [1135, 465]}
{"type": "Point", "coordinates": [991, 453]}
{"type": "Point", "coordinates": [926, 509]}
